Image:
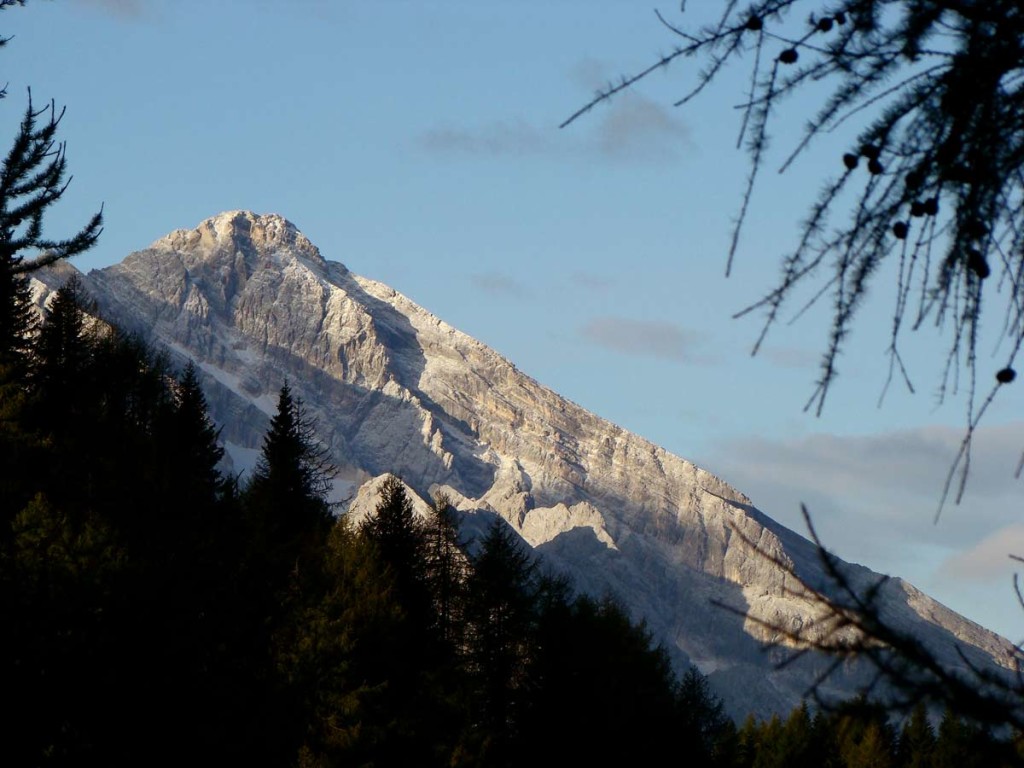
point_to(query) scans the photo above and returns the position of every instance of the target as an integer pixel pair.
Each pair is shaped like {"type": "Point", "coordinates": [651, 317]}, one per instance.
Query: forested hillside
{"type": "Point", "coordinates": [158, 611]}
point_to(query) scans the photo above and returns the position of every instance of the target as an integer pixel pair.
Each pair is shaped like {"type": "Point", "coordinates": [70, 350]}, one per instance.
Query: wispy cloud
{"type": "Point", "coordinates": [632, 128]}
{"type": "Point", "coordinates": [870, 495]}
{"type": "Point", "coordinates": [873, 500]}
{"type": "Point", "coordinates": [126, 9]}
{"type": "Point", "coordinates": [498, 284]}
{"type": "Point", "coordinates": [514, 137]}
{"type": "Point", "coordinates": [591, 281]}
{"type": "Point", "coordinates": [791, 357]}
{"type": "Point", "coordinates": [644, 338]}
{"type": "Point", "coordinates": [637, 128]}
{"type": "Point", "coordinates": [988, 561]}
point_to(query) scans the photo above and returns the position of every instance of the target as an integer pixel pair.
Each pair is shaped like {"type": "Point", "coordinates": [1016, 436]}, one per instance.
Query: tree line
{"type": "Point", "coordinates": [159, 611]}
{"type": "Point", "coordinates": [861, 734]}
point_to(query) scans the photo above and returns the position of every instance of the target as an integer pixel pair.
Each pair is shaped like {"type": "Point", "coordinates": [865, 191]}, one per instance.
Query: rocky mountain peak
{"type": "Point", "coordinates": [395, 389]}
{"type": "Point", "coordinates": [258, 237]}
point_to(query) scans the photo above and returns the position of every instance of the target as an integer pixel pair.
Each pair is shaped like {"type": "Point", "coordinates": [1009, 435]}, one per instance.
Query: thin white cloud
{"type": "Point", "coordinates": [989, 560]}
{"type": "Point", "coordinates": [643, 338]}
{"type": "Point", "coordinates": [873, 500]}
{"type": "Point", "coordinates": [791, 357]}
{"type": "Point", "coordinates": [870, 496]}
{"type": "Point", "coordinates": [591, 281]}
{"type": "Point", "coordinates": [126, 9]}
{"type": "Point", "coordinates": [591, 73]}
{"type": "Point", "coordinates": [632, 128]}
{"type": "Point", "coordinates": [637, 128]}
{"type": "Point", "coordinates": [498, 284]}
{"type": "Point", "coordinates": [514, 137]}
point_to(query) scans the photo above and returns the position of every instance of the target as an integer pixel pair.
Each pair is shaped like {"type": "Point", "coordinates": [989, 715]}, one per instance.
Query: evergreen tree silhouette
{"type": "Point", "coordinates": [400, 540]}
{"type": "Point", "coordinates": [503, 590]}
{"type": "Point", "coordinates": [287, 496]}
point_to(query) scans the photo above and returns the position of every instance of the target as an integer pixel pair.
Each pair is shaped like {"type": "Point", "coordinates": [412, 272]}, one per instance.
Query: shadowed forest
{"type": "Point", "coordinates": [157, 611]}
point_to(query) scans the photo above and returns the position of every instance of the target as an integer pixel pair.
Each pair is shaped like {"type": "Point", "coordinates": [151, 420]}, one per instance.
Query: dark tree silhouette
{"type": "Point", "coordinates": [446, 570]}
{"type": "Point", "coordinates": [32, 178]}
{"type": "Point", "coordinates": [400, 541]}
{"type": "Point", "coordinates": [504, 592]}
{"type": "Point", "coordinates": [289, 487]}
{"type": "Point", "coordinates": [933, 184]}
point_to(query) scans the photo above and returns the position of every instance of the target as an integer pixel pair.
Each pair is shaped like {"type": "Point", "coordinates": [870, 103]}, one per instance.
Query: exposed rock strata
{"type": "Point", "coordinates": [395, 389]}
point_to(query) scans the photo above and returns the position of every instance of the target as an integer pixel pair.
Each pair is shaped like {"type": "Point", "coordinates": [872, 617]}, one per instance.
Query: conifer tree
{"type": "Point", "coordinates": [501, 610]}
{"type": "Point", "coordinates": [419, 665]}
{"type": "Point", "coordinates": [287, 497]}
{"type": "Point", "coordinates": [286, 522]}
{"type": "Point", "coordinates": [958, 744]}
{"type": "Point", "coordinates": [400, 541]}
{"type": "Point", "coordinates": [796, 742]}
{"type": "Point", "coordinates": [189, 441]}
{"type": "Point", "coordinates": [748, 743]}
{"type": "Point", "coordinates": [446, 568]}
{"type": "Point", "coordinates": [17, 324]}
{"type": "Point", "coordinates": [702, 714]}
{"type": "Point", "coordinates": [31, 180]}
{"type": "Point", "coordinates": [917, 740]}
{"type": "Point", "coordinates": [592, 669]}
{"type": "Point", "coordinates": [191, 410]}
{"type": "Point", "coordinates": [864, 735]}
{"type": "Point", "coordinates": [327, 656]}
{"type": "Point", "coordinates": [826, 746]}
{"type": "Point", "coordinates": [766, 754]}
{"type": "Point", "coordinates": [63, 354]}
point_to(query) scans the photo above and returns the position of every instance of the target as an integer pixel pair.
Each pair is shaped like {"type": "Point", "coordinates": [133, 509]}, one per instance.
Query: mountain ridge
{"type": "Point", "coordinates": [395, 389]}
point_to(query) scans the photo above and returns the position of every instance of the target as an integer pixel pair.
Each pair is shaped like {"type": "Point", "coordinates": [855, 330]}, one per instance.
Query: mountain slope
{"type": "Point", "coordinates": [395, 389]}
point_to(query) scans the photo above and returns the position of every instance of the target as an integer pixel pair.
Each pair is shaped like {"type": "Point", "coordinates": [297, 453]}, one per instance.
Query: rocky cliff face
{"type": "Point", "coordinates": [395, 389]}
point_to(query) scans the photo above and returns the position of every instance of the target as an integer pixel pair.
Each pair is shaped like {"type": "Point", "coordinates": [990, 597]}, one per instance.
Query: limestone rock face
{"type": "Point", "coordinates": [395, 389]}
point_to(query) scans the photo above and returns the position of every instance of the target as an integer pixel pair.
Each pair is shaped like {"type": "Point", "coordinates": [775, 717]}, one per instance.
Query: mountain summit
{"type": "Point", "coordinates": [395, 389]}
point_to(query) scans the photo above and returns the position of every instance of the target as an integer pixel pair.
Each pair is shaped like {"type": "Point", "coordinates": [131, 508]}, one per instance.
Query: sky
{"type": "Point", "coordinates": [418, 144]}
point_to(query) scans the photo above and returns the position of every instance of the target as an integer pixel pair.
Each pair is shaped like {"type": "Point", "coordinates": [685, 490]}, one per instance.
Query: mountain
{"type": "Point", "coordinates": [395, 389]}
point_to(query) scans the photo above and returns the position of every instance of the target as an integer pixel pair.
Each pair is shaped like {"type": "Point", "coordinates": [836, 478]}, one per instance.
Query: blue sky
{"type": "Point", "coordinates": [417, 143]}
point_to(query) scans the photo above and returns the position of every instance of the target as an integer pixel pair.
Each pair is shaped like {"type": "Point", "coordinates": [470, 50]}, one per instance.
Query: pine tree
{"type": "Point", "coordinates": [796, 748]}
{"type": "Point", "coordinates": [31, 180]}
{"type": "Point", "coordinates": [748, 743]}
{"type": "Point", "coordinates": [865, 738]}
{"type": "Point", "coordinates": [702, 714]}
{"type": "Point", "coordinates": [422, 673]}
{"type": "Point", "coordinates": [63, 354]}
{"type": "Point", "coordinates": [501, 610]}
{"type": "Point", "coordinates": [287, 497]}
{"type": "Point", "coordinates": [917, 740]}
{"type": "Point", "coordinates": [327, 655]}
{"type": "Point", "coordinates": [592, 669]}
{"type": "Point", "coordinates": [446, 570]}
{"type": "Point", "coordinates": [961, 744]}
{"type": "Point", "coordinates": [34, 178]}
{"type": "Point", "coordinates": [825, 740]}
{"type": "Point", "coordinates": [400, 541]}
{"type": "Point", "coordinates": [769, 739]}
{"type": "Point", "coordinates": [17, 324]}
{"type": "Point", "coordinates": [191, 445]}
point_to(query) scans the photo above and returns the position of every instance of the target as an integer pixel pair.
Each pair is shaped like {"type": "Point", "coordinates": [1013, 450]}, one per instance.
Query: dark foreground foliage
{"type": "Point", "coordinates": [153, 612]}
